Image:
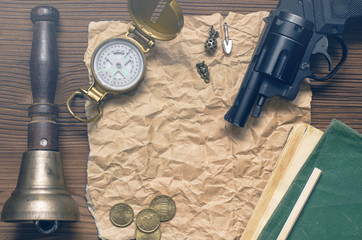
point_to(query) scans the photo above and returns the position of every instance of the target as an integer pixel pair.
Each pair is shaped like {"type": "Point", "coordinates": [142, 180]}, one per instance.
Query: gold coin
{"type": "Point", "coordinates": [121, 215]}
{"type": "Point", "coordinates": [148, 220]}
{"type": "Point", "coordinates": [156, 235]}
{"type": "Point", "coordinates": [164, 206]}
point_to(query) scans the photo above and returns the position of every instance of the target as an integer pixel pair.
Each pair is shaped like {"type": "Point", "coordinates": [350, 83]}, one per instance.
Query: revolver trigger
{"type": "Point", "coordinates": [341, 61]}
{"type": "Point", "coordinates": [321, 47]}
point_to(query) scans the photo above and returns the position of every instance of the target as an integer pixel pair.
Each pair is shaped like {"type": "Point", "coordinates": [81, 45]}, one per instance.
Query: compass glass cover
{"type": "Point", "coordinates": [118, 65]}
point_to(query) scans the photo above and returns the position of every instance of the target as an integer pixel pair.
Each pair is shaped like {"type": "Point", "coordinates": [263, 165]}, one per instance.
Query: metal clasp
{"type": "Point", "coordinates": [93, 94]}
{"type": "Point", "coordinates": [148, 41]}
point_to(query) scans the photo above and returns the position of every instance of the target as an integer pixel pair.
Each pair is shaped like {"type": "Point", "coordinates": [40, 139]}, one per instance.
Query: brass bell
{"type": "Point", "coordinates": [40, 194]}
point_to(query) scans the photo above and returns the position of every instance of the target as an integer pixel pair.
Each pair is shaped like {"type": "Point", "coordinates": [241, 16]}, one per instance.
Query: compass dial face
{"type": "Point", "coordinates": [118, 65]}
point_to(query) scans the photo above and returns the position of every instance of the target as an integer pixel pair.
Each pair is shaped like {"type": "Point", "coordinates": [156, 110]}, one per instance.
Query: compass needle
{"type": "Point", "coordinates": [125, 60]}
{"type": "Point", "coordinates": [113, 75]}
{"type": "Point", "coordinates": [127, 53]}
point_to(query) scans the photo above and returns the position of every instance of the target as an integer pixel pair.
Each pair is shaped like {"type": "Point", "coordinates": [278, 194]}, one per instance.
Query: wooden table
{"type": "Point", "coordinates": [340, 97]}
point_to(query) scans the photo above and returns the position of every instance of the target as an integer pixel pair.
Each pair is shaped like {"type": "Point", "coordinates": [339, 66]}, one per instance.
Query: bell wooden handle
{"type": "Point", "coordinates": [44, 57]}
{"type": "Point", "coordinates": [42, 130]}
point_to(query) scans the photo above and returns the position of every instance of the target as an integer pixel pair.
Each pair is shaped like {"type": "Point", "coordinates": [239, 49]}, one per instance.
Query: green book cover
{"type": "Point", "coordinates": [334, 209]}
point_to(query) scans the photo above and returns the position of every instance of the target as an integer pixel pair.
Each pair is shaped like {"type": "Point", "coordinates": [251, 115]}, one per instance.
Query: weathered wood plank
{"type": "Point", "coordinates": [339, 98]}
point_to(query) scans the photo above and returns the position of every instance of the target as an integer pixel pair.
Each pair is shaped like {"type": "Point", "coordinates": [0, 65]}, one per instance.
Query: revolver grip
{"type": "Point", "coordinates": [331, 16]}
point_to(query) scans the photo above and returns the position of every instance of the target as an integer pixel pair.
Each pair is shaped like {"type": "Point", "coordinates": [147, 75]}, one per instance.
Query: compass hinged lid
{"type": "Point", "coordinates": [158, 19]}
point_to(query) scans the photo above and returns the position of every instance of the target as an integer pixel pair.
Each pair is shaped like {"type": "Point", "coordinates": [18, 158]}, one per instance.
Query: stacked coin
{"type": "Point", "coordinates": [161, 209]}
{"type": "Point", "coordinates": [156, 235]}
{"type": "Point", "coordinates": [148, 223]}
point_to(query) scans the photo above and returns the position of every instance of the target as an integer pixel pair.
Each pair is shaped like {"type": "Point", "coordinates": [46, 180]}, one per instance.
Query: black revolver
{"type": "Point", "coordinates": [294, 31]}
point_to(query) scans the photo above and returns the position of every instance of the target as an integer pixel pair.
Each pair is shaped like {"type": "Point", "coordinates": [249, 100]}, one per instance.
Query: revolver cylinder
{"type": "Point", "coordinates": [273, 68]}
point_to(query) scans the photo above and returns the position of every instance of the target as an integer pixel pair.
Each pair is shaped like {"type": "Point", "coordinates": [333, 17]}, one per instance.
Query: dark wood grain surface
{"type": "Point", "coordinates": [340, 97]}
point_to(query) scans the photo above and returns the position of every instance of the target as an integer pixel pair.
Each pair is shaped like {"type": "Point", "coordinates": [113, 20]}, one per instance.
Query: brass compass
{"type": "Point", "coordinates": [118, 64]}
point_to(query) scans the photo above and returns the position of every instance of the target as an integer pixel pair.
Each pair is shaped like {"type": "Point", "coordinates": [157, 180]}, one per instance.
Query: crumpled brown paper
{"type": "Point", "coordinates": [169, 136]}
